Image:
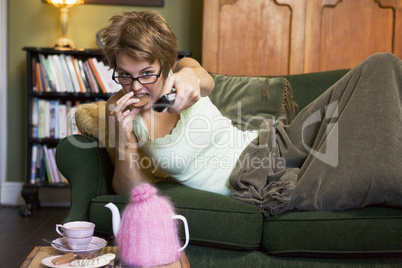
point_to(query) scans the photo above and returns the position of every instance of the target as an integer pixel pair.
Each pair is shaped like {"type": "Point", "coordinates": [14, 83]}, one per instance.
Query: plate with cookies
{"type": "Point", "coordinates": [72, 260]}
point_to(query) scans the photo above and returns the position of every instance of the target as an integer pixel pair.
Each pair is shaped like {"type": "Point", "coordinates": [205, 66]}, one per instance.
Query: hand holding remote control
{"type": "Point", "coordinates": [165, 101]}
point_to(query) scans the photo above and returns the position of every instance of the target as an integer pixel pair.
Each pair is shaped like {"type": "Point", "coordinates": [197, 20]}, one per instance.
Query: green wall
{"type": "Point", "coordinates": [34, 23]}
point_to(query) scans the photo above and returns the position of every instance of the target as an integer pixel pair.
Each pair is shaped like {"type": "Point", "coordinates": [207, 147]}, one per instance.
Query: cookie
{"type": "Point", "coordinates": [63, 259]}
{"type": "Point", "coordinates": [142, 102]}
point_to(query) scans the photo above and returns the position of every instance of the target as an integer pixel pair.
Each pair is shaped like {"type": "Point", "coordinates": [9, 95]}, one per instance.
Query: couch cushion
{"type": "Point", "coordinates": [368, 230]}
{"type": "Point", "coordinates": [307, 87]}
{"type": "Point", "coordinates": [248, 100]}
{"type": "Point", "coordinates": [213, 219]}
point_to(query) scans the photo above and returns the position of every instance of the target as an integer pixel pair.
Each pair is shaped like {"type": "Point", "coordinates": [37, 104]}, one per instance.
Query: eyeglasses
{"type": "Point", "coordinates": [143, 80]}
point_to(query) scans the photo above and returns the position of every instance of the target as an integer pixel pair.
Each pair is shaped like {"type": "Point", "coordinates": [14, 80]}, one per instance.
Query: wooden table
{"type": "Point", "coordinates": [34, 260]}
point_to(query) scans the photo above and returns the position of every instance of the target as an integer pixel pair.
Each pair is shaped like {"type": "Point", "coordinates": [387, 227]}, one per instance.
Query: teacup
{"type": "Point", "coordinates": [78, 234]}
{"type": "Point", "coordinates": [78, 243]}
{"type": "Point", "coordinates": [76, 229]}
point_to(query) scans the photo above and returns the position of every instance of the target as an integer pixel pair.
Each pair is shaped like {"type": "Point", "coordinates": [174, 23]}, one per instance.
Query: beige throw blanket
{"type": "Point", "coordinates": [343, 151]}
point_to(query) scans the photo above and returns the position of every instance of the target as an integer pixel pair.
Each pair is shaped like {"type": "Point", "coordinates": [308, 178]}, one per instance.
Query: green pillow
{"type": "Point", "coordinates": [248, 100]}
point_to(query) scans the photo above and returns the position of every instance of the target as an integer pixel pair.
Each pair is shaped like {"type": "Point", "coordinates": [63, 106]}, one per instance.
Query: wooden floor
{"type": "Point", "coordinates": [19, 235]}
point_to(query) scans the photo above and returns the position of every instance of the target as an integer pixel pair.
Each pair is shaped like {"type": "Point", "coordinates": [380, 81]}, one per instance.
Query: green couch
{"type": "Point", "coordinates": [226, 232]}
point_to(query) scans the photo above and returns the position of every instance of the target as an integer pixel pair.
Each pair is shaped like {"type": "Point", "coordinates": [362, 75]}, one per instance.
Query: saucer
{"type": "Point", "coordinates": [95, 245]}
{"type": "Point", "coordinates": [48, 262]}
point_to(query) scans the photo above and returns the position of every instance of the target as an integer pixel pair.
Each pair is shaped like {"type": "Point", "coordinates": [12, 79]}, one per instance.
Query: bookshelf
{"type": "Point", "coordinates": [56, 81]}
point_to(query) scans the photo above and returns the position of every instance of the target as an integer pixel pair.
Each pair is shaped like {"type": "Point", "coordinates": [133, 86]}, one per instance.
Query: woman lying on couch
{"type": "Point", "coordinates": [342, 151]}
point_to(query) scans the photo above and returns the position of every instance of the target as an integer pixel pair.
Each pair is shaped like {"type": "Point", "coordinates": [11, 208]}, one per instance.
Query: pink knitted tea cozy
{"type": "Point", "coordinates": [148, 235]}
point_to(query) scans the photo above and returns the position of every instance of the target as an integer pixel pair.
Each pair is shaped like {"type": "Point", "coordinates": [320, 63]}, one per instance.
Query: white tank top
{"type": "Point", "coordinates": [202, 149]}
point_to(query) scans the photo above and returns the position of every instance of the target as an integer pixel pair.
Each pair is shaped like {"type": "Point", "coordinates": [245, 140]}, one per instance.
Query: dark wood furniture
{"type": "Point", "coordinates": [279, 37]}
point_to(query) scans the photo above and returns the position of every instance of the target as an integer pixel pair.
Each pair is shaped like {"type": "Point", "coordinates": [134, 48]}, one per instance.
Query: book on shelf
{"type": "Point", "coordinates": [33, 163]}
{"type": "Point", "coordinates": [33, 75]}
{"type": "Point", "coordinates": [52, 164]}
{"type": "Point", "coordinates": [43, 166]}
{"type": "Point", "coordinates": [72, 129]}
{"type": "Point", "coordinates": [65, 73]}
{"type": "Point", "coordinates": [41, 118]}
{"type": "Point", "coordinates": [49, 171]}
{"type": "Point", "coordinates": [78, 74]}
{"type": "Point", "coordinates": [91, 78]}
{"type": "Point", "coordinates": [47, 119]}
{"type": "Point", "coordinates": [55, 69]}
{"type": "Point", "coordinates": [48, 79]}
{"type": "Point", "coordinates": [112, 86]}
{"type": "Point", "coordinates": [97, 74]}
{"type": "Point", "coordinates": [39, 82]}
{"type": "Point", "coordinates": [38, 172]}
{"type": "Point", "coordinates": [39, 175]}
{"type": "Point", "coordinates": [72, 73]}
{"type": "Point", "coordinates": [62, 121]}
{"type": "Point", "coordinates": [52, 118]}
{"type": "Point", "coordinates": [82, 75]}
{"type": "Point", "coordinates": [34, 117]}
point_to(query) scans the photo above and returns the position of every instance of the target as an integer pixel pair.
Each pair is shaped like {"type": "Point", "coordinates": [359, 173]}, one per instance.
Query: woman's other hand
{"type": "Point", "coordinates": [191, 82]}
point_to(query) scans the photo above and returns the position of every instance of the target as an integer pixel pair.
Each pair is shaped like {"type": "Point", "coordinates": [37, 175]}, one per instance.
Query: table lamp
{"type": "Point", "coordinates": [64, 43]}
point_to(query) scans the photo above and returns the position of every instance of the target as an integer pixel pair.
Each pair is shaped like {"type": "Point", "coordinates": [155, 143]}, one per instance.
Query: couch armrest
{"type": "Point", "coordinates": [88, 169]}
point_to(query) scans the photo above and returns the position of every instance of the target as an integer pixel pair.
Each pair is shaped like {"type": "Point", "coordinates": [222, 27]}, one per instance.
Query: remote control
{"type": "Point", "coordinates": [164, 102]}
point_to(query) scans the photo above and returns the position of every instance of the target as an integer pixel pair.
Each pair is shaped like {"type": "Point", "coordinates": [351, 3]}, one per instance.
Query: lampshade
{"type": "Point", "coordinates": [65, 3]}
{"type": "Point", "coordinates": [64, 42]}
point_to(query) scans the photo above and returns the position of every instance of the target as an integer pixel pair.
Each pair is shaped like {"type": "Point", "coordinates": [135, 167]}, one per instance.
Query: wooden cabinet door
{"type": "Point", "coordinates": [277, 37]}
{"type": "Point", "coordinates": [246, 37]}
{"type": "Point", "coordinates": [342, 33]}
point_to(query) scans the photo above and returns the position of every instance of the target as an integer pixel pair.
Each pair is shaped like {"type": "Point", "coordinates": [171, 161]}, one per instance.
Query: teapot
{"type": "Point", "coordinates": [147, 234]}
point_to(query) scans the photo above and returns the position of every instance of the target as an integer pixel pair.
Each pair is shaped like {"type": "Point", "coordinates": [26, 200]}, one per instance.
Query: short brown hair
{"type": "Point", "coordinates": [144, 36]}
